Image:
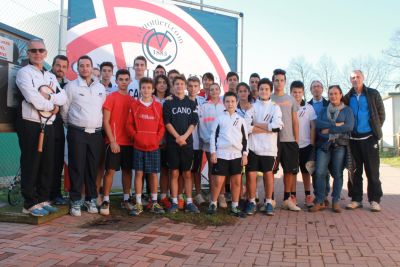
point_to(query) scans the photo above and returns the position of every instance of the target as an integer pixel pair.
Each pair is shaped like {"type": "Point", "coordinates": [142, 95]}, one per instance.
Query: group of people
{"type": "Point", "coordinates": [162, 127]}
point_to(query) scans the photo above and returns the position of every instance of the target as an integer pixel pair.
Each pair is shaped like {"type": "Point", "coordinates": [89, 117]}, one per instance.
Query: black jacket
{"type": "Point", "coordinates": [325, 102]}
{"type": "Point", "coordinates": [375, 106]}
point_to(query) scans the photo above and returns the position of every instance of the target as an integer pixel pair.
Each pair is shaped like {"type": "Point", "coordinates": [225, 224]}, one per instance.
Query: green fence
{"type": "Point", "coordinates": [9, 154]}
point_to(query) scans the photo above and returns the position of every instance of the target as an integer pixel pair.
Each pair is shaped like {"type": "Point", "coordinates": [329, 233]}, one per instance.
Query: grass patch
{"type": "Point", "coordinates": [222, 217]}
{"type": "Point", "coordinates": [392, 161]}
{"type": "Point", "coordinates": [120, 220]}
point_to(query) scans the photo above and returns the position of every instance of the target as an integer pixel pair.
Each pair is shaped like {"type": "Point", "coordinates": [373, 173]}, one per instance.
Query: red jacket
{"type": "Point", "coordinates": [146, 125]}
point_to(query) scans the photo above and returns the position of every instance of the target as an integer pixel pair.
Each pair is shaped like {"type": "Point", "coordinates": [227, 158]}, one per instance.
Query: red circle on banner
{"type": "Point", "coordinates": [115, 34]}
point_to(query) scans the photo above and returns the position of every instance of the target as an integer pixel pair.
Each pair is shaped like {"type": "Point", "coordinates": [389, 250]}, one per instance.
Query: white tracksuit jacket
{"type": "Point", "coordinates": [265, 144]}
{"type": "Point", "coordinates": [208, 112]}
{"type": "Point", "coordinates": [229, 136]}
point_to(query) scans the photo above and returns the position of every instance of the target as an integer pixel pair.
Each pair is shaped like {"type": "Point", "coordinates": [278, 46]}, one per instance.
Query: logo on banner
{"type": "Point", "coordinates": [160, 42]}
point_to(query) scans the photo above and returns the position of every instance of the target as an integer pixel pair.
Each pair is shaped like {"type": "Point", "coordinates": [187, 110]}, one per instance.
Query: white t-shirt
{"type": "Point", "coordinates": [306, 114]}
{"type": "Point", "coordinates": [133, 89]}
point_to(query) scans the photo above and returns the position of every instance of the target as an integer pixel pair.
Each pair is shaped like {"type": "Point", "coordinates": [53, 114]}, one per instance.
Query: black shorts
{"type": "Point", "coordinates": [288, 157]}
{"type": "Point", "coordinates": [180, 158]}
{"type": "Point", "coordinates": [259, 163]}
{"type": "Point", "coordinates": [163, 156]}
{"type": "Point", "coordinates": [197, 160]}
{"type": "Point", "coordinates": [304, 156]}
{"type": "Point", "coordinates": [122, 160]}
{"type": "Point", "coordinates": [228, 168]}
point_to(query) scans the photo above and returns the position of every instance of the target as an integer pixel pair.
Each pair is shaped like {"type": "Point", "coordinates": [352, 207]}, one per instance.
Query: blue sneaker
{"type": "Point", "coordinates": [36, 211]}
{"type": "Point", "coordinates": [192, 208]}
{"type": "Point", "coordinates": [49, 208]}
{"type": "Point", "coordinates": [269, 209]}
{"type": "Point", "coordinates": [250, 208]}
{"type": "Point", "coordinates": [173, 208]}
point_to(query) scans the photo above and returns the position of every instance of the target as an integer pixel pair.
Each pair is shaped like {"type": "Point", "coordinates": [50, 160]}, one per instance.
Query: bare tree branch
{"type": "Point", "coordinates": [300, 69]}
{"type": "Point", "coordinates": [327, 71]}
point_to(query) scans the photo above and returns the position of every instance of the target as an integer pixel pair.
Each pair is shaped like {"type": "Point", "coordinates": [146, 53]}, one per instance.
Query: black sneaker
{"type": "Point", "coordinates": [235, 211]}
{"type": "Point", "coordinates": [212, 209]}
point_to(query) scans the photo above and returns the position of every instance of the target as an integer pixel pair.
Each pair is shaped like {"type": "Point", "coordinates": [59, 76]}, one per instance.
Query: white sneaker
{"type": "Point", "coordinates": [91, 206]}
{"type": "Point", "coordinates": [222, 201]}
{"type": "Point", "coordinates": [75, 209]}
{"type": "Point", "coordinates": [199, 199]}
{"type": "Point", "coordinates": [375, 207]}
{"type": "Point", "coordinates": [288, 204]}
{"type": "Point", "coordinates": [105, 208]}
{"type": "Point", "coordinates": [354, 205]}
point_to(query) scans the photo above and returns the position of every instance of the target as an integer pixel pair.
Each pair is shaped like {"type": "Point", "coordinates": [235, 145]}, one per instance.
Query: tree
{"type": "Point", "coordinates": [393, 52]}
{"type": "Point", "coordinates": [300, 69]}
{"type": "Point", "coordinates": [376, 71]}
{"type": "Point", "coordinates": [393, 58]}
{"type": "Point", "coordinates": [327, 71]}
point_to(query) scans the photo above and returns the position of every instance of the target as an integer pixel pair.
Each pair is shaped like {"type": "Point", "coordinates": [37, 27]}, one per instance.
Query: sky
{"type": "Point", "coordinates": [276, 31]}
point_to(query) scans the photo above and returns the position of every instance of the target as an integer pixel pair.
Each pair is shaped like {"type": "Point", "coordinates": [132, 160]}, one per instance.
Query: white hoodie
{"type": "Point", "coordinates": [207, 115]}
{"type": "Point", "coordinates": [229, 136]}
{"type": "Point", "coordinates": [265, 144]}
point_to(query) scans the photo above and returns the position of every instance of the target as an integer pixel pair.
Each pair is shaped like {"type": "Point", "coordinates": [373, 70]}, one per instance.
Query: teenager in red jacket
{"type": "Point", "coordinates": [146, 127]}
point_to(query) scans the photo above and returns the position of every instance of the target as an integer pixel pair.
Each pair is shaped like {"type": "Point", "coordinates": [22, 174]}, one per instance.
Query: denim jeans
{"type": "Point", "coordinates": [335, 156]}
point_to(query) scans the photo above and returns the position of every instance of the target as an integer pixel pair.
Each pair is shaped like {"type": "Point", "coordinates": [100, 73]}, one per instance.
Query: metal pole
{"type": "Point", "coordinates": [60, 29]}
{"type": "Point", "coordinates": [208, 7]}
{"type": "Point", "coordinates": [201, 4]}
{"type": "Point", "coordinates": [241, 46]}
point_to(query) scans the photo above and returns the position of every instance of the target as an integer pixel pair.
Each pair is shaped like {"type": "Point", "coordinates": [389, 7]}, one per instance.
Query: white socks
{"type": "Point", "coordinates": [138, 198]}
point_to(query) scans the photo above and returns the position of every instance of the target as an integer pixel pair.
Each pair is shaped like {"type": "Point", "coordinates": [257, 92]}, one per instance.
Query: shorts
{"type": "Point", "coordinates": [180, 158]}
{"type": "Point", "coordinates": [288, 157]}
{"type": "Point", "coordinates": [304, 156]}
{"type": "Point", "coordinates": [258, 163]}
{"type": "Point", "coordinates": [163, 155]}
{"type": "Point", "coordinates": [122, 160]}
{"type": "Point", "coordinates": [228, 168]}
{"type": "Point", "coordinates": [197, 160]}
{"type": "Point", "coordinates": [147, 161]}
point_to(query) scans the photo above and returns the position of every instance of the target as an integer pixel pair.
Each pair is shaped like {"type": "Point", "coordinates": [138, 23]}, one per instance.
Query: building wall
{"type": "Point", "coordinates": [396, 112]}
{"type": "Point", "coordinates": [387, 129]}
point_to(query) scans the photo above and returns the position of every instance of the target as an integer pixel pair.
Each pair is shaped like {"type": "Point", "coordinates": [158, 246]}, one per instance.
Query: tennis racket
{"type": "Point", "coordinates": [44, 116]}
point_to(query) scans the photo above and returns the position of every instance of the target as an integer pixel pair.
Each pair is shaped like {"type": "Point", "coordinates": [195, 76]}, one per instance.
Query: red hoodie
{"type": "Point", "coordinates": [146, 125]}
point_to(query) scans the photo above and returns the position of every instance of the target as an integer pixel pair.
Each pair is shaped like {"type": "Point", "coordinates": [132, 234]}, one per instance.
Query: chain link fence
{"type": "Point", "coordinates": [9, 158]}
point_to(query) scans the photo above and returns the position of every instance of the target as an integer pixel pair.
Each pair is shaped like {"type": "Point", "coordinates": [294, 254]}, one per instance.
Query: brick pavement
{"type": "Point", "coordinates": [352, 238]}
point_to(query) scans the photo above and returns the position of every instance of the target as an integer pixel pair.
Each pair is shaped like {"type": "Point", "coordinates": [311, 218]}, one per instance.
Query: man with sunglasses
{"type": "Point", "coordinates": [37, 166]}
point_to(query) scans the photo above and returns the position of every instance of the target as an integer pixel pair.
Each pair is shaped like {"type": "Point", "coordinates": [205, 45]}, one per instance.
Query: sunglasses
{"type": "Point", "coordinates": [35, 50]}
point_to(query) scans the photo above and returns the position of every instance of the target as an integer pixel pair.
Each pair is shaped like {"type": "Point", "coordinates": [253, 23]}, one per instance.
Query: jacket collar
{"type": "Point", "coordinates": [83, 83]}
{"type": "Point", "coordinates": [37, 69]}
{"type": "Point", "coordinates": [353, 91]}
